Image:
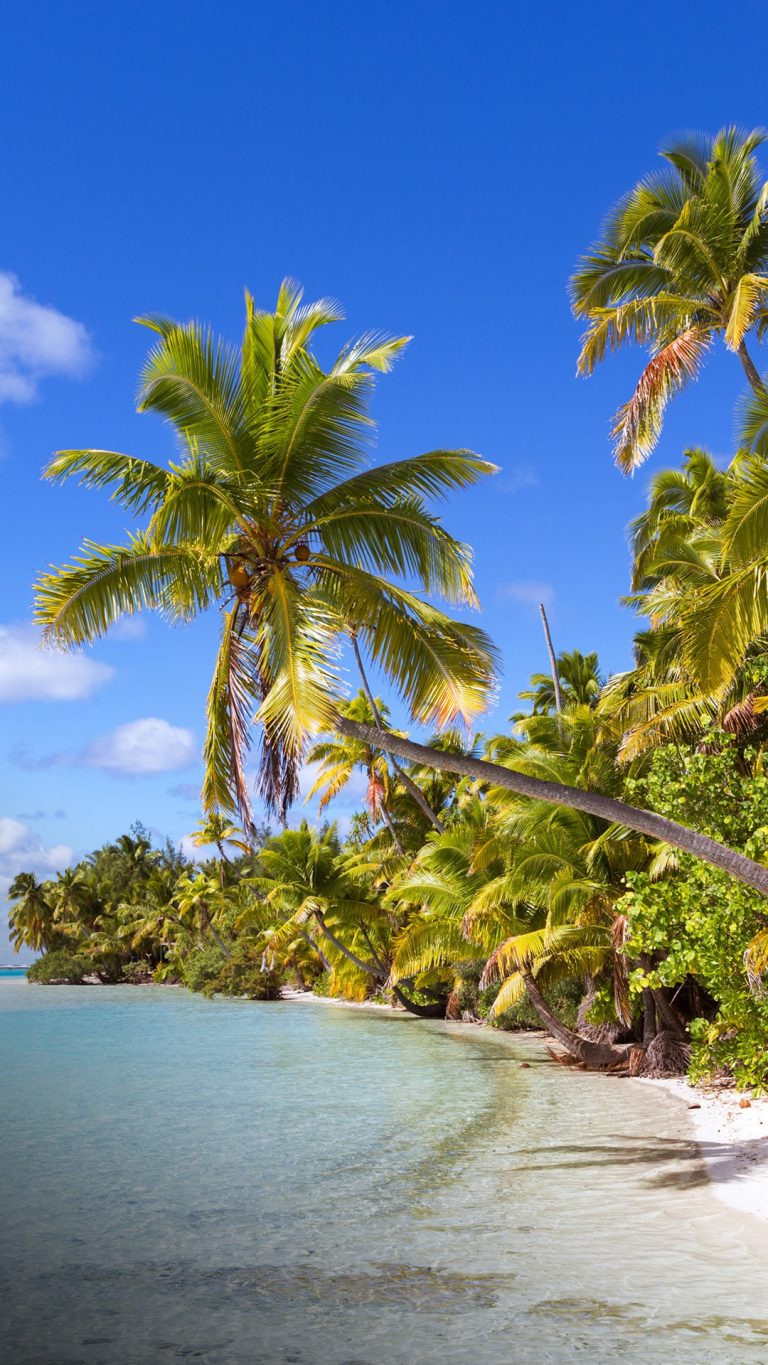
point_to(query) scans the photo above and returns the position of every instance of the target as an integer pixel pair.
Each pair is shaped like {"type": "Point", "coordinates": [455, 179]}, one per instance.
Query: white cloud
{"type": "Point", "coordinates": [528, 592]}
{"type": "Point", "coordinates": [516, 480]}
{"type": "Point", "coordinates": [128, 628]}
{"type": "Point", "coordinates": [142, 746]}
{"type": "Point", "coordinates": [29, 672]}
{"type": "Point", "coordinates": [36, 340]}
{"type": "Point", "coordinates": [12, 833]}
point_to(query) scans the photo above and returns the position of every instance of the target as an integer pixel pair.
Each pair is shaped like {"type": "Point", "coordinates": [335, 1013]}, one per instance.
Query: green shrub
{"type": "Point", "coordinates": [201, 967]}
{"type": "Point", "coordinates": [241, 974]}
{"type": "Point", "coordinates": [60, 968]}
{"type": "Point", "coordinates": [137, 973]}
{"type": "Point", "coordinates": [697, 923]}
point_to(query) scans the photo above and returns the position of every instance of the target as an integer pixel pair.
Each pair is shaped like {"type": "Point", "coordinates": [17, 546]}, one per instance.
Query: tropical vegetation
{"type": "Point", "coordinates": [597, 866]}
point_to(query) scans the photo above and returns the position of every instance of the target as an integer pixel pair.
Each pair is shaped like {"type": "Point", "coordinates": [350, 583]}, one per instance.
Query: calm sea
{"type": "Point", "coordinates": [240, 1183]}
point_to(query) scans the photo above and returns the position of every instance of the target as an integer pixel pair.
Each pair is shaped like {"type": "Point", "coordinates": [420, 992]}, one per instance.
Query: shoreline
{"type": "Point", "coordinates": [730, 1127]}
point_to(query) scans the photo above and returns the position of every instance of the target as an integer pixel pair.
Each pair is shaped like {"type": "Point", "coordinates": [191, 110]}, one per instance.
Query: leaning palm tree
{"type": "Point", "coordinates": [683, 260]}
{"type": "Point", "coordinates": [271, 515]}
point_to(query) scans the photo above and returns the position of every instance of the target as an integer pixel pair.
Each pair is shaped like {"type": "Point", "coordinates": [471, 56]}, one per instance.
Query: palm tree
{"type": "Point", "coordinates": [32, 919]}
{"type": "Point", "coordinates": [339, 758]}
{"type": "Point", "coordinates": [252, 520]}
{"type": "Point", "coordinates": [579, 679]}
{"type": "Point", "coordinates": [683, 259]}
{"type": "Point", "coordinates": [680, 502]}
{"type": "Point", "coordinates": [271, 515]}
{"type": "Point", "coordinates": [557, 793]}
{"type": "Point", "coordinates": [306, 881]}
{"type": "Point", "coordinates": [199, 903]}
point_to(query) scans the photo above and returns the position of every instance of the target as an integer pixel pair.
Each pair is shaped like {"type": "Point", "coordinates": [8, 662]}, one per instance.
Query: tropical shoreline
{"type": "Point", "coordinates": [730, 1128]}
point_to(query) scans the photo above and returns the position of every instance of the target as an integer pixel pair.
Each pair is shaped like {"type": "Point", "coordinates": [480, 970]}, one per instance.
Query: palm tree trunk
{"type": "Point", "coordinates": [390, 824]}
{"type": "Point", "coordinates": [408, 783]}
{"type": "Point", "coordinates": [751, 370]}
{"type": "Point", "coordinates": [436, 1011]}
{"type": "Point", "coordinates": [315, 948]}
{"type": "Point", "coordinates": [210, 926]}
{"type": "Point", "coordinates": [599, 1055]}
{"type": "Point", "coordinates": [649, 1016]}
{"type": "Point", "coordinates": [358, 961]}
{"type": "Point", "coordinates": [558, 794]}
{"type": "Point", "coordinates": [552, 661]}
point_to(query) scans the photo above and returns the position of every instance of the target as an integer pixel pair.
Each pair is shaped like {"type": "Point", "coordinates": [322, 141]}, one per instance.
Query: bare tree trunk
{"type": "Point", "coordinates": [552, 661]}
{"type": "Point", "coordinates": [436, 1011]}
{"type": "Point", "coordinates": [558, 794]}
{"type": "Point", "coordinates": [388, 821]}
{"type": "Point", "coordinates": [408, 783]}
{"type": "Point", "coordinates": [672, 1018]}
{"type": "Point", "coordinates": [358, 961]}
{"type": "Point", "coordinates": [751, 370]}
{"type": "Point", "coordinates": [315, 948]}
{"type": "Point", "coordinates": [211, 927]}
{"type": "Point", "coordinates": [598, 1055]}
{"type": "Point", "coordinates": [649, 1016]}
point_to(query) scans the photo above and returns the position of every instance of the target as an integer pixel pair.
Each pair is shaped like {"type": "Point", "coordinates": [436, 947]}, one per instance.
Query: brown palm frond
{"type": "Point", "coordinates": [638, 422]}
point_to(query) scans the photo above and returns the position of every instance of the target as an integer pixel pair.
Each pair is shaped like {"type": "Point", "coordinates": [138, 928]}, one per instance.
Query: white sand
{"type": "Point", "coordinates": [733, 1140]}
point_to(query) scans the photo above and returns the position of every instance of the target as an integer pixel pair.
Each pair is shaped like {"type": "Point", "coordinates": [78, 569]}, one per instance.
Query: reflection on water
{"type": "Point", "coordinates": [234, 1183]}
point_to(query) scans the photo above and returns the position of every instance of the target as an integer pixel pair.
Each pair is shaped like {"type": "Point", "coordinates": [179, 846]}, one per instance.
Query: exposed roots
{"type": "Point", "coordinates": [666, 1055]}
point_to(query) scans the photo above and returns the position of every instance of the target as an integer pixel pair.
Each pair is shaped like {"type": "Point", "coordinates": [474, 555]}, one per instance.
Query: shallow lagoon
{"type": "Point", "coordinates": [232, 1182]}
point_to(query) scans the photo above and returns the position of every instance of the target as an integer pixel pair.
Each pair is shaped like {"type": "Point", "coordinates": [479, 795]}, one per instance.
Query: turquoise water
{"type": "Point", "coordinates": [232, 1182]}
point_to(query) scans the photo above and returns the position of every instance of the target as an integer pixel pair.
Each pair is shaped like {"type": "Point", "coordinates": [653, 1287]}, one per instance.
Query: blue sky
{"type": "Point", "coordinates": [436, 167]}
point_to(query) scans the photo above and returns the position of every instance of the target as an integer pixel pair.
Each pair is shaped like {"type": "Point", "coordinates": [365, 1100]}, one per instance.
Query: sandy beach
{"type": "Point", "coordinates": [731, 1128]}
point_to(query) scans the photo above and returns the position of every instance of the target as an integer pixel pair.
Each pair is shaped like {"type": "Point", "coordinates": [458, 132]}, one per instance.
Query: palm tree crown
{"type": "Point", "coordinates": [683, 259]}
{"type": "Point", "coordinates": [271, 514]}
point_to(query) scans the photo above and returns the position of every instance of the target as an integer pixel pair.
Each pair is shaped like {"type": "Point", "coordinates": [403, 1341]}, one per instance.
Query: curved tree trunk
{"type": "Point", "coordinates": [558, 794]}
{"type": "Point", "coordinates": [410, 786]}
{"type": "Point", "coordinates": [315, 948]}
{"type": "Point", "coordinates": [436, 1011]}
{"type": "Point", "coordinates": [751, 370]}
{"type": "Point", "coordinates": [597, 1055]}
{"type": "Point", "coordinates": [358, 961]}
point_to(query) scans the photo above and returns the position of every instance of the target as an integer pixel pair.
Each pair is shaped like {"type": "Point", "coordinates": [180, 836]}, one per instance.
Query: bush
{"type": "Point", "coordinates": [241, 974]}
{"type": "Point", "coordinates": [137, 973]}
{"type": "Point", "coordinates": [60, 968]}
{"type": "Point", "coordinates": [563, 999]}
{"type": "Point", "coordinates": [201, 967]}
{"type": "Point", "coordinates": [697, 924]}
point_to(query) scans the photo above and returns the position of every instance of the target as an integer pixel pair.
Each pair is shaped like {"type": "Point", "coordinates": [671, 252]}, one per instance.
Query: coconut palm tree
{"type": "Point", "coordinates": [683, 259]}
{"type": "Point", "coordinates": [305, 880]}
{"type": "Point", "coordinates": [680, 502]}
{"type": "Point", "coordinates": [32, 918]}
{"type": "Point", "coordinates": [271, 515]}
{"type": "Point", "coordinates": [199, 903]}
{"type": "Point", "coordinates": [339, 758]}
{"type": "Point", "coordinates": [579, 679]}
